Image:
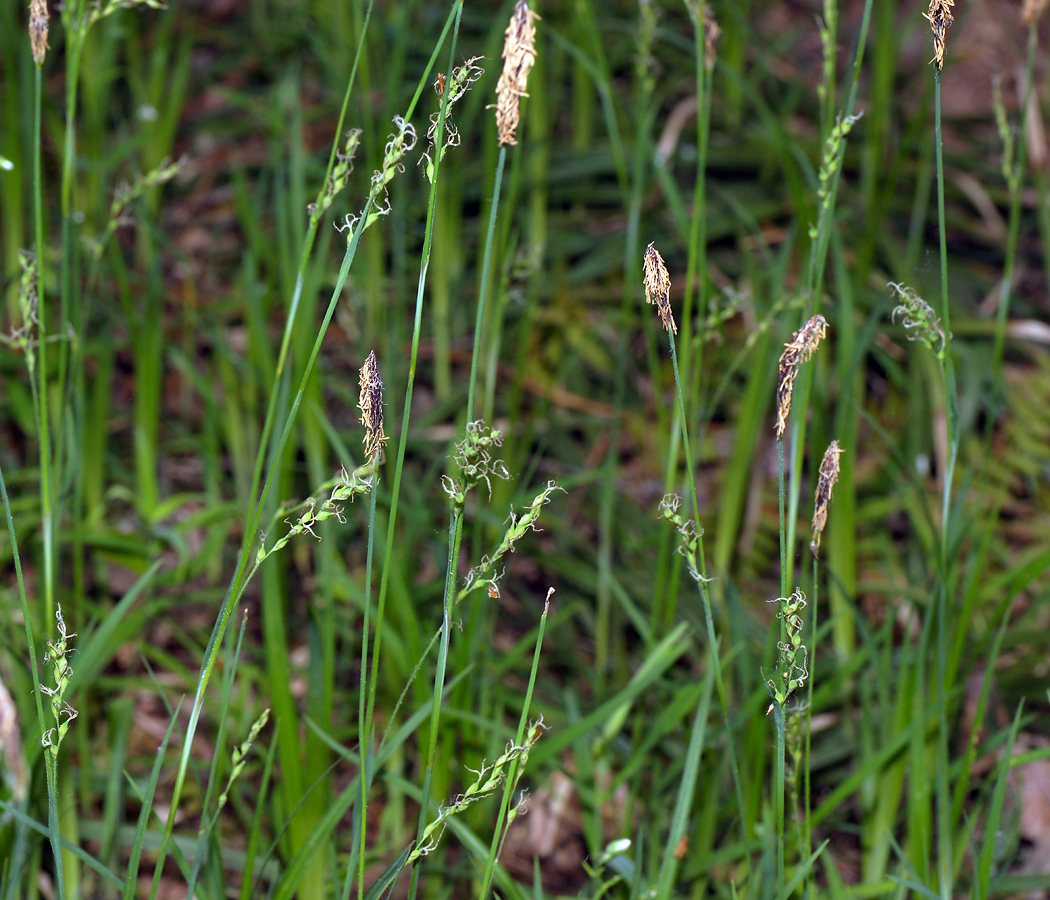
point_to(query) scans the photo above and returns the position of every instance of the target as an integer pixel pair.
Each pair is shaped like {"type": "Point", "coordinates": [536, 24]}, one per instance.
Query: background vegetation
{"type": "Point", "coordinates": [159, 382]}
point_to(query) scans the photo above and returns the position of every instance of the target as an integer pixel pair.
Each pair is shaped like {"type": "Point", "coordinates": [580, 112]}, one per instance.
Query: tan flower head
{"type": "Point", "coordinates": [796, 352]}
{"type": "Point", "coordinates": [711, 35]}
{"type": "Point", "coordinates": [940, 18]}
{"type": "Point", "coordinates": [519, 54]}
{"type": "Point", "coordinates": [829, 474]}
{"type": "Point", "coordinates": [38, 16]}
{"type": "Point", "coordinates": [1032, 10]}
{"type": "Point", "coordinates": [658, 286]}
{"type": "Point", "coordinates": [371, 405]}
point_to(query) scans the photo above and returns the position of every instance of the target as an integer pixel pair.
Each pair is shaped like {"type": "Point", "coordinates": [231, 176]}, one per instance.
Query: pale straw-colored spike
{"type": "Point", "coordinates": [940, 18]}
{"type": "Point", "coordinates": [519, 54]}
{"type": "Point", "coordinates": [828, 475]}
{"type": "Point", "coordinates": [38, 17]}
{"type": "Point", "coordinates": [799, 349]}
{"type": "Point", "coordinates": [1032, 10]}
{"type": "Point", "coordinates": [658, 286]}
{"type": "Point", "coordinates": [370, 403]}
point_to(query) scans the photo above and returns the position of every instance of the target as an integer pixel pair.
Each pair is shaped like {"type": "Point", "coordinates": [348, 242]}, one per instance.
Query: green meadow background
{"type": "Point", "coordinates": [191, 537]}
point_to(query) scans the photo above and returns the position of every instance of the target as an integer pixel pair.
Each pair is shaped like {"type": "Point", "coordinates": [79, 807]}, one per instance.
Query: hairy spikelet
{"type": "Point", "coordinates": [799, 349]}
{"type": "Point", "coordinates": [370, 403]}
{"type": "Point", "coordinates": [658, 286]}
{"type": "Point", "coordinates": [940, 18]}
{"type": "Point", "coordinates": [829, 474]}
{"type": "Point", "coordinates": [519, 54]}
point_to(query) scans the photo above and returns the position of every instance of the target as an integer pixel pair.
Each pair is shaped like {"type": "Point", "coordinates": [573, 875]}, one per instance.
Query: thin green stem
{"type": "Point", "coordinates": [484, 281]}
{"type": "Point", "coordinates": [499, 833]}
{"type": "Point", "coordinates": [452, 21]}
{"type": "Point", "coordinates": [364, 731]}
{"type": "Point", "coordinates": [701, 585]}
{"type": "Point", "coordinates": [455, 533]}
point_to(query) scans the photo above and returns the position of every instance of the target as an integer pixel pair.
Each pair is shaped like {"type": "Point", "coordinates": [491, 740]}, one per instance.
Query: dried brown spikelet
{"type": "Point", "coordinates": [940, 18]}
{"type": "Point", "coordinates": [658, 286]}
{"type": "Point", "coordinates": [1032, 10]}
{"type": "Point", "coordinates": [370, 403]}
{"type": "Point", "coordinates": [711, 35]}
{"type": "Point", "coordinates": [38, 16]}
{"type": "Point", "coordinates": [829, 474]}
{"type": "Point", "coordinates": [519, 54]}
{"type": "Point", "coordinates": [796, 352]}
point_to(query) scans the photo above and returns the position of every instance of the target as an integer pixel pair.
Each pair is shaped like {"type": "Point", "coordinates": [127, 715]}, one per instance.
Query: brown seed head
{"type": "Point", "coordinates": [829, 474]}
{"type": "Point", "coordinates": [38, 16]}
{"type": "Point", "coordinates": [940, 18]}
{"type": "Point", "coordinates": [658, 286]}
{"type": "Point", "coordinates": [796, 352]}
{"type": "Point", "coordinates": [711, 34]}
{"type": "Point", "coordinates": [519, 53]}
{"type": "Point", "coordinates": [371, 405]}
{"type": "Point", "coordinates": [1032, 10]}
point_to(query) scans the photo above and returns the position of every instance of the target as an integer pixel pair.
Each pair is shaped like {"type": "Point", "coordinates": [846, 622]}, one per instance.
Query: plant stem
{"type": "Point", "coordinates": [712, 642]}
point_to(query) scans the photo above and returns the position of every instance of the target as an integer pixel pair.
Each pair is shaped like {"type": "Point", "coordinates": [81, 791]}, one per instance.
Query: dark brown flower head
{"type": "Point", "coordinates": [38, 16]}
{"type": "Point", "coordinates": [371, 405]}
{"type": "Point", "coordinates": [796, 352]}
{"type": "Point", "coordinates": [658, 286]}
{"type": "Point", "coordinates": [829, 474]}
{"type": "Point", "coordinates": [519, 54]}
{"type": "Point", "coordinates": [940, 18]}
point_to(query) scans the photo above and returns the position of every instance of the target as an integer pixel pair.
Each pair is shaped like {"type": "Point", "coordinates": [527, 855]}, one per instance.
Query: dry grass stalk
{"type": "Point", "coordinates": [38, 16]}
{"type": "Point", "coordinates": [940, 18]}
{"type": "Point", "coordinates": [1032, 10]}
{"type": "Point", "coordinates": [519, 54]}
{"type": "Point", "coordinates": [796, 352]}
{"type": "Point", "coordinates": [829, 474]}
{"type": "Point", "coordinates": [711, 35]}
{"type": "Point", "coordinates": [370, 403]}
{"type": "Point", "coordinates": [658, 286]}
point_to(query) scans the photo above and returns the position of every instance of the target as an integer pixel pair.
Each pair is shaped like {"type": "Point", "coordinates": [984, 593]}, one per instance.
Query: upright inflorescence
{"type": "Point", "coordinates": [1032, 10]}
{"type": "Point", "coordinates": [63, 713]}
{"type": "Point", "coordinates": [797, 351]}
{"type": "Point", "coordinates": [712, 33]}
{"type": "Point", "coordinates": [658, 286]}
{"type": "Point", "coordinates": [38, 24]}
{"type": "Point", "coordinates": [918, 318]}
{"type": "Point", "coordinates": [940, 18]}
{"type": "Point", "coordinates": [828, 475]}
{"type": "Point", "coordinates": [519, 55]}
{"type": "Point", "coordinates": [370, 403]}
{"type": "Point", "coordinates": [792, 664]}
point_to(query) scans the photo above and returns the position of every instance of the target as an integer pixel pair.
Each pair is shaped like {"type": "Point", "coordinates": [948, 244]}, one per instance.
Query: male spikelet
{"type": "Point", "coordinates": [370, 403]}
{"type": "Point", "coordinates": [38, 17]}
{"type": "Point", "coordinates": [1032, 10]}
{"type": "Point", "coordinates": [797, 351]}
{"type": "Point", "coordinates": [519, 54]}
{"type": "Point", "coordinates": [829, 474]}
{"type": "Point", "coordinates": [658, 286]}
{"type": "Point", "coordinates": [712, 32]}
{"type": "Point", "coordinates": [940, 18]}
